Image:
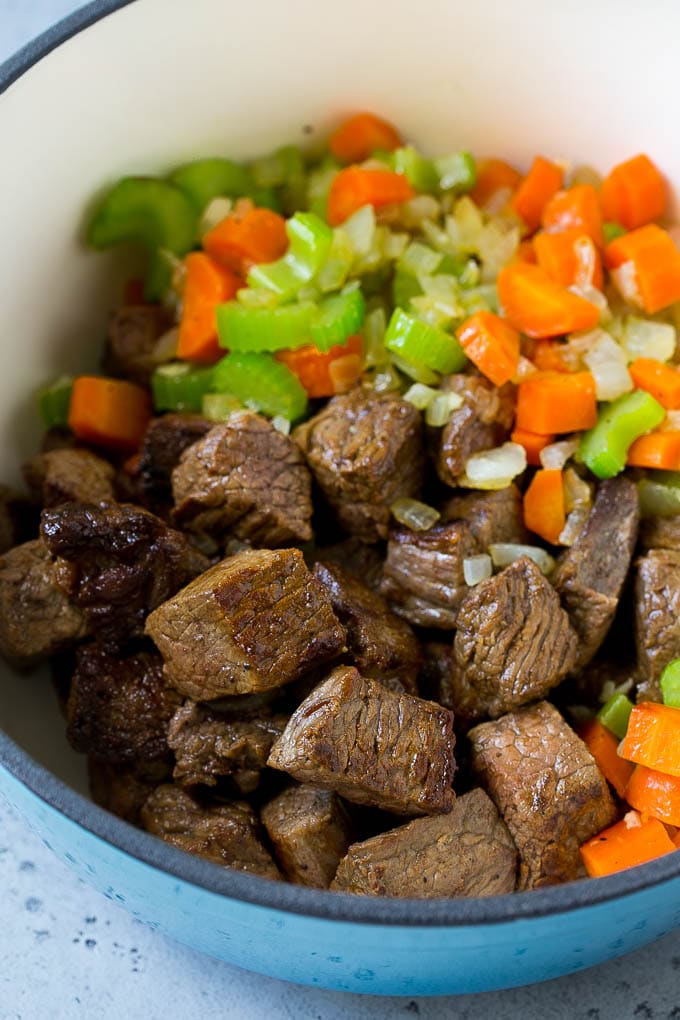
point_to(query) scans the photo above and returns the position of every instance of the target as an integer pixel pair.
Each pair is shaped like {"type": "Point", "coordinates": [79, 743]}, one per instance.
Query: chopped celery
{"type": "Point", "coordinates": [54, 402]}
{"type": "Point", "coordinates": [205, 179]}
{"type": "Point", "coordinates": [422, 344]}
{"type": "Point", "coordinates": [264, 329]}
{"type": "Point", "coordinates": [261, 382]}
{"type": "Point", "coordinates": [219, 406]}
{"type": "Point", "coordinates": [318, 185]}
{"type": "Point", "coordinates": [670, 684]}
{"type": "Point", "coordinates": [404, 287]}
{"type": "Point", "coordinates": [456, 172]}
{"type": "Point", "coordinates": [419, 171]}
{"type": "Point", "coordinates": [309, 242]}
{"type": "Point", "coordinates": [605, 447]}
{"type": "Point", "coordinates": [337, 318]}
{"type": "Point", "coordinates": [615, 714]}
{"type": "Point", "coordinates": [660, 496]}
{"type": "Point", "coordinates": [611, 231]}
{"type": "Point", "coordinates": [280, 167]}
{"type": "Point", "coordinates": [180, 386]}
{"type": "Point", "coordinates": [267, 198]}
{"type": "Point", "coordinates": [338, 264]}
{"type": "Point", "coordinates": [375, 324]}
{"type": "Point", "coordinates": [418, 373]}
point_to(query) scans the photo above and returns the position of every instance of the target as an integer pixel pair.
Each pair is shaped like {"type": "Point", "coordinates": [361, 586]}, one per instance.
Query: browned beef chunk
{"type": "Point", "coordinates": [513, 643]}
{"type": "Point", "coordinates": [164, 442]}
{"type": "Point", "coordinates": [116, 563]}
{"type": "Point", "coordinates": [657, 618]}
{"type": "Point", "coordinates": [483, 421]}
{"type": "Point", "coordinates": [468, 852]}
{"type": "Point", "coordinates": [123, 790]}
{"type": "Point", "coordinates": [423, 573]}
{"type": "Point", "coordinates": [18, 519]}
{"type": "Point", "coordinates": [364, 561]}
{"type": "Point", "coordinates": [209, 746]}
{"type": "Point", "coordinates": [65, 476]}
{"type": "Point", "coordinates": [434, 679]}
{"type": "Point", "coordinates": [132, 348]}
{"type": "Point", "coordinates": [255, 621]}
{"type": "Point", "coordinates": [366, 451]}
{"type": "Point", "coordinates": [590, 575]}
{"type": "Point", "coordinates": [382, 646]}
{"type": "Point", "coordinates": [310, 830]}
{"type": "Point", "coordinates": [548, 788]}
{"type": "Point", "coordinates": [226, 834]}
{"type": "Point", "coordinates": [36, 617]}
{"type": "Point", "coordinates": [660, 533]}
{"type": "Point", "coordinates": [245, 478]}
{"type": "Point", "coordinates": [490, 516]}
{"type": "Point", "coordinates": [370, 745]}
{"type": "Point", "coordinates": [119, 707]}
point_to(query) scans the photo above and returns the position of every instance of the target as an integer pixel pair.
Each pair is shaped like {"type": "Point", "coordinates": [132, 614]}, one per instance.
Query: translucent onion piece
{"type": "Point", "coordinates": [525, 368]}
{"type": "Point", "coordinates": [420, 396]}
{"type": "Point", "coordinates": [504, 553]}
{"type": "Point", "coordinates": [671, 422]}
{"type": "Point", "coordinates": [609, 689]}
{"type": "Point", "coordinates": [281, 424]}
{"type": "Point", "coordinates": [386, 380]}
{"type": "Point", "coordinates": [577, 492]}
{"type": "Point", "coordinates": [586, 262]}
{"type": "Point", "coordinates": [165, 348]}
{"type": "Point", "coordinates": [554, 456]}
{"type": "Point", "coordinates": [607, 363]}
{"type": "Point", "coordinates": [215, 211]}
{"type": "Point", "coordinates": [477, 568]}
{"type": "Point", "coordinates": [416, 372]}
{"type": "Point", "coordinates": [441, 407]}
{"type": "Point", "coordinates": [375, 324]}
{"type": "Point", "coordinates": [414, 514]}
{"type": "Point", "coordinates": [360, 229]}
{"type": "Point", "coordinates": [625, 278]}
{"type": "Point", "coordinates": [420, 258]}
{"type": "Point", "coordinates": [418, 212]}
{"type": "Point", "coordinates": [494, 469]}
{"type": "Point", "coordinates": [344, 372]}
{"type": "Point", "coordinates": [573, 526]}
{"type": "Point", "coordinates": [220, 406]}
{"type": "Point", "coordinates": [644, 338]}
{"type": "Point", "coordinates": [585, 174]}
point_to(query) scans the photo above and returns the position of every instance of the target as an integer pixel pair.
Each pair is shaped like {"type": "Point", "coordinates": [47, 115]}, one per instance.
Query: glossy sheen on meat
{"type": "Point", "coordinates": [227, 834]}
{"type": "Point", "coordinates": [660, 533]}
{"type": "Point", "coordinates": [64, 476]}
{"type": "Point", "coordinates": [548, 788]}
{"type": "Point", "coordinates": [657, 618]}
{"type": "Point", "coordinates": [590, 575]}
{"type": "Point", "coordinates": [494, 516]}
{"type": "Point", "coordinates": [370, 745]}
{"type": "Point", "coordinates": [513, 643]}
{"type": "Point", "coordinates": [165, 440]}
{"type": "Point", "coordinates": [246, 478]}
{"type": "Point", "coordinates": [423, 574]}
{"type": "Point", "coordinates": [255, 621]}
{"type": "Point", "coordinates": [116, 563]}
{"type": "Point", "coordinates": [383, 647]}
{"type": "Point", "coordinates": [310, 830]}
{"type": "Point", "coordinates": [483, 421]}
{"type": "Point", "coordinates": [36, 617]}
{"type": "Point", "coordinates": [468, 852]}
{"type": "Point", "coordinates": [131, 345]}
{"type": "Point", "coordinates": [366, 451]}
{"type": "Point", "coordinates": [119, 707]}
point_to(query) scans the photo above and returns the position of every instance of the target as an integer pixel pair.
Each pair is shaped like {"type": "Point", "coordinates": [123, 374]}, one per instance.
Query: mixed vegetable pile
{"type": "Point", "coordinates": [293, 278]}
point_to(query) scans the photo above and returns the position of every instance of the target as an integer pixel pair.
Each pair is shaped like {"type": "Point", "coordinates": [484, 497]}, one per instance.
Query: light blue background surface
{"type": "Point", "coordinates": [65, 952]}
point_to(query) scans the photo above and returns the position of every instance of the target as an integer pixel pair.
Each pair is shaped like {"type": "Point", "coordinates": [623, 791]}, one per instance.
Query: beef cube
{"type": "Point", "coordinates": [434, 679]}
{"type": "Point", "coordinates": [548, 788]}
{"type": "Point", "coordinates": [382, 646]}
{"type": "Point", "coordinates": [209, 746]}
{"type": "Point", "coordinates": [481, 423]}
{"type": "Point", "coordinates": [355, 557]}
{"type": "Point", "coordinates": [227, 834]}
{"type": "Point", "coordinates": [513, 643]}
{"type": "Point", "coordinates": [310, 830]}
{"type": "Point", "coordinates": [371, 746]}
{"type": "Point", "coordinates": [116, 563]}
{"type": "Point", "coordinates": [65, 476]}
{"type": "Point", "coordinates": [132, 348]}
{"type": "Point", "coordinates": [423, 573]}
{"type": "Point", "coordinates": [122, 790]}
{"type": "Point", "coordinates": [255, 621]}
{"type": "Point", "coordinates": [119, 707]}
{"type": "Point", "coordinates": [468, 852]}
{"type": "Point", "coordinates": [36, 618]}
{"type": "Point", "coordinates": [246, 478]}
{"type": "Point", "coordinates": [165, 440]}
{"type": "Point", "coordinates": [366, 451]}
{"type": "Point", "coordinates": [657, 618]}
{"type": "Point", "coordinates": [491, 517]}
{"type": "Point", "coordinates": [660, 533]}
{"type": "Point", "coordinates": [590, 575]}
{"type": "Point", "coordinates": [18, 519]}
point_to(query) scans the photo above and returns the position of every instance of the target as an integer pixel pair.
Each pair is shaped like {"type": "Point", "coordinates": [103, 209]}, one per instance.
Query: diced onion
{"type": "Point", "coordinates": [644, 338]}
{"type": "Point", "coordinates": [220, 406]}
{"type": "Point", "coordinates": [419, 373]}
{"type": "Point", "coordinates": [494, 469]}
{"type": "Point", "coordinates": [414, 514]}
{"type": "Point", "coordinates": [497, 246]}
{"type": "Point", "coordinates": [420, 258]}
{"type": "Point", "coordinates": [671, 422]}
{"type": "Point", "coordinates": [632, 820]}
{"type": "Point", "coordinates": [554, 456]}
{"type": "Point", "coordinates": [420, 395]}
{"type": "Point", "coordinates": [609, 689]}
{"type": "Point", "coordinates": [585, 174]}
{"type": "Point", "coordinates": [441, 407]}
{"type": "Point", "coordinates": [504, 553]}
{"type": "Point", "coordinates": [573, 526]}
{"type": "Point", "coordinates": [375, 324]}
{"type": "Point", "coordinates": [360, 229]}
{"type": "Point", "coordinates": [215, 211]}
{"type": "Point", "coordinates": [525, 368]}
{"type": "Point", "coordinates": [281, 424]}
{"type": "Point", "coordinates": [607, 363]}
{"type": "Point", "coordinates": [344, 372]}
{"type": "Point", "coordinates": [165, 348]}
{"type": "Point", "coordinates": [625, 278]}
{"type": "Point", "coordinates": [477, 568]}
{"type": "Point", "coordinates": [577, 492]}
{"type": "Point", "coordinates": [418, 212]}
{"type": "Point", "coordinates": [386, 380]}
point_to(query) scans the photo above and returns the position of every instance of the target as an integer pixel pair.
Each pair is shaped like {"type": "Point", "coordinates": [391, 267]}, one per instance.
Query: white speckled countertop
{"type": "Point", "coordinates": [67, 953]}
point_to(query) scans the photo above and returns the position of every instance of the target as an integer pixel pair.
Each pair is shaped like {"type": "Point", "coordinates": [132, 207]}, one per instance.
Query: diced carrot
{"type": "Point", "coordinates": [547, 356]}
{"type": "Point", "coordinates": [535, 190]}
{"type": "Point", "coordinates": [659, 450]}
{"type": "Point", "coordinates": [653, 737]}
{"type": "Point", "coordinates": [361, 135]}
{"type": "Point", "coordinates": [662, 381]}
{"type": "Point", "coordinates": [653, 793]}
{"type": "Point", "coordinates": [555, 402]}
{"type": "Point", "coordinates": [538, 306]}
{"type": "Point", "coordinates": [243, 239]}
{"type": "Point", "coordinates": [323, 374]}
{"type": "Point", "coordinates": [544, 512]}
{"type": "Point", "coordinates": [604, 747]}
{"type": "Point", "coordinates": [133, 292]}
{"type": "Point", "coordinates": [526, 251]}
{"type": "Point", "coordinates": [565, 255]}
{"type": "Point", "coordinates": [492, 345]}
{"type": "Point", "coordinates": [623, 846]}
{"type": "Point", "coordinates": [109, 412]}
{"type": "Point", "coordinates": [354, 187]}
{"type": "Point", "coordinates": [655, 265]}
{"type": "Point", "coordinates": [634, 193]}
{"type": "Point", "coordinates": [533, 443]}
{"type": "Point", "coordinates": [207, 284]}
{"type": "Point", "coordinates": [576, 208]}
{"type": "Point", "coordinates": [493, 175]}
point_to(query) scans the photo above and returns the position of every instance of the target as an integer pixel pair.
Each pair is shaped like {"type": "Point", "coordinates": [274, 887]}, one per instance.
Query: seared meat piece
{"type": "Point", "coordinates": [16, 519]}
{"type": "Point", "coordinates": [36, 617]}
{"type": "Point", "coordinates": [226, 834]}
{"type": "Point", "coordinates": [246, 478]}
{"type": "Point", "coordinates": [65, 476]}
{"type": "Point", "coordinates": [434, 679]}
{"type": "Point", "coordinates": [660, 533]}
{"type": "Point", "coordinates": [165, 440]}
{"type": "Point", "coordinates": [116, 563]}
{"type": "Point", "coordinates": [364, 561]}
{"type": "Point", "coordinates": [255, 621]}
{"type": "Point", "coordinates": [366, 451]}
{"type": "Point", "coordinates": [371, 746]}
{"type": "Point", "coordinates": [310, 830]}
{"type": "Point", "coordinates": [483, 421]}
{"type": "Point", "coordinates": [209, 746]}
{"type": "Point", "coordinates": [513, 643]}
{"type": "Point", "coordinates": [468, 852]}
{"type": "Point", "coordinates": [491, 516]}
{"type": "Point", "coordinates": [590, 575]}
{"type": "Point", "coordinates": [131, 349]}
{"type": "Point", "coordinates": [382, 646]}
{"type": "Point", "coordinates": [657, 618]}
{"type": "Point", "coordinates": [119, 707]}
{"type": "Point", "coordinates": [423, 573]}
{"type": "Point", "coordinates": [548, 788]}
{"type": "Point", "coordinates": [121, 790]}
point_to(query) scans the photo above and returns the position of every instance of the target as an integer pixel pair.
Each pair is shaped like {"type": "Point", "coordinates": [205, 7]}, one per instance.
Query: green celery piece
{"type": "Point", "coordinates": [659, 494]}
{"type": "Point", "coordinates": [261, 382]}
{"type": "Point", "coordinates": [456, 172]}
{"type": "Point", "coordinates": [257, 330]}
{"type": "Point", "coordinates": [423, 345]}
{"type": "Point", "coordinates": [611, 231]}
{"type": "Point", "coordinates": [404, 287]}
{"type": "Point", "coordinates": [338, 317]}
{"type": "Point", "coordinates": [309, 242]}
{"type": "Point", "coordinates": [280, 167]}
{"type": "Point", "coordinates": [319, 181]}
{"type": "Point", "coordinates": [670, 684]}
{"type": "Point", "coordinates": [605, 447]}
{"type": "Point", "coordinates": [180, 386]}
{"type": "Point", "coordinates": [54, 402]}
{"type": "Point", "coordinates": [419, 171]}
{"type": "Point", "coordinates": [205, 179]}
{"type": "Point", "coordinates": [615, 714]}
{"type": "Point", "coordinates": [219, 406]}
